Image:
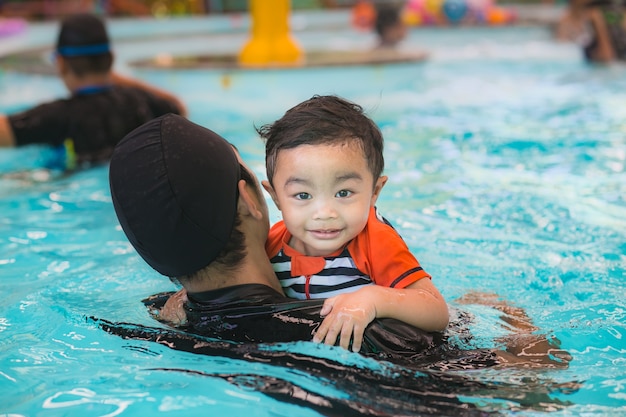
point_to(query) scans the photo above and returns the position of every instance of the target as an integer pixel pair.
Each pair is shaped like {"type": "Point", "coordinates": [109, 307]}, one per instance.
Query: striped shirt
{"type": "Point", "coordinates": [377, 256]}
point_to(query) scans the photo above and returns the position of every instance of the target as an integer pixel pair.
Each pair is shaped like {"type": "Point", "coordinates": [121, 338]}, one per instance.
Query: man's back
{"type": "Point", "coordinates": [104, 106]}
{"type": "Point", "coordinates": [94, 119]}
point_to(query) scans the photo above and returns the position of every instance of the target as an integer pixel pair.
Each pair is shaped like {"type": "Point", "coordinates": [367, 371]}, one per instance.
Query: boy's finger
{"type": "Point", "coordinates": [357, 338]}
{"type": "Point", "coordinates": [346, 335]}
{"type": "Point", "coordinates": [333, 332]}
{"type": "Point", "coordinates": [327, 307]}
{"type": "Point", "coordinates": [320, 333]}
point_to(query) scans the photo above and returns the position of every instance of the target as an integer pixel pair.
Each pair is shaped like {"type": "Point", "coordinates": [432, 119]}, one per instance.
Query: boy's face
{"type": "Point", "coordinates": [324, 193]}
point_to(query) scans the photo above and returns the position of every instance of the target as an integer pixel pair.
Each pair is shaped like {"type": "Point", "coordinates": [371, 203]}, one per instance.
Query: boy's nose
{"type": "Point", "coordinates": [324, 210]}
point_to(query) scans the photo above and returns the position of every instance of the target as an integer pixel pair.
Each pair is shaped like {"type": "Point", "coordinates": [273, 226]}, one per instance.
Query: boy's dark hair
{"type": "Point", "coordinates": [323, 120]}
{"type": "Point", "coordinates": [83, 42]}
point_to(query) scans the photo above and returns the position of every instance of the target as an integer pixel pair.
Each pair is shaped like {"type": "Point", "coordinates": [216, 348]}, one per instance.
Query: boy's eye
{"type": "Point", "coordinates": [303, 196]}
{"type": "Point", "coordinates": [343, 194]}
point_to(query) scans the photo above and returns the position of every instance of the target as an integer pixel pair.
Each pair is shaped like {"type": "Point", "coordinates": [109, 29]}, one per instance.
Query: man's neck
{"type": "Point", "coordinates": [255, 269]}
{"type": "Point", "coordinates": [75, 84]}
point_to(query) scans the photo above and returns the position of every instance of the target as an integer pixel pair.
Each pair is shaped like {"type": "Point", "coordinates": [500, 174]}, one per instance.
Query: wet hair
{"type": "Point", "coordinates": [323, 120]}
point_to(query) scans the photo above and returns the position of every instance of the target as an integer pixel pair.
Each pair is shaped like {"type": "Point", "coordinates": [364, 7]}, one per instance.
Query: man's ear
{"type": "Point", "coordinates": [60, 64]}
{"type": "Point", "coordinates": [380, 183]}
{"type": "Point", "coordinates": [268, 187]}
{"type": "Point", "coordinates": [248, 201]}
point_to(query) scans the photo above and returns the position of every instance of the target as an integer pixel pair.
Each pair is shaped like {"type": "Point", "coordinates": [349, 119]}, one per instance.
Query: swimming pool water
{"type": "Point", "coordinates": [506, 155]}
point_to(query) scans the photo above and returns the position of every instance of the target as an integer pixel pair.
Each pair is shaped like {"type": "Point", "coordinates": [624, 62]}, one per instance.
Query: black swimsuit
{"type": "Point", "coordinates": [256, 313]}
{"type": "Point", "coordinates": [94, 119]}
{"type": "Point", "coordinates": [219, 322]}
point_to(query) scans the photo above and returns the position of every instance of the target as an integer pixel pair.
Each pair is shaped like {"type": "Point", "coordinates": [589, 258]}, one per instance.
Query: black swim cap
{"type": "Point", "coordinates": [82, 35]}
{"type": "Point", "coordinates": [174, 189]}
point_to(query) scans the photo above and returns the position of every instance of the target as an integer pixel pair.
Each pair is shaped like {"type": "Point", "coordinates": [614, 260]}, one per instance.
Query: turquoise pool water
{"type": "Point", "coordinates": [506, 155]}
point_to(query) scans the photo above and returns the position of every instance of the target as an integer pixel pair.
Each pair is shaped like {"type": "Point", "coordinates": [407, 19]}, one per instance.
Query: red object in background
{"type": "Point", "coordinates": [363, 15]}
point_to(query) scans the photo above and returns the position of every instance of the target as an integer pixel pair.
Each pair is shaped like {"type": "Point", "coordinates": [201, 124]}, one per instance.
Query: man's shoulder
{"type": "Point", "coordinates": [29, 124]}
{"type": "Point", "coordinates": [129, 90]}
{"type": "Point", "coordinates": [249, 293]}
{"type": "Point", "coordinates": [139, 96]}
{"type": "Point", "coordinates": [57, 105]}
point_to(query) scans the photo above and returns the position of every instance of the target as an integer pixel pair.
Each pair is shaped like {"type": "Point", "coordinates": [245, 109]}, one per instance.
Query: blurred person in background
{"type": "Point", "coordinates": [389, 25]}
{"type": "Point", "coordinates": [598, 26]}
{"type": "Point", "coordinates": [102, 108]}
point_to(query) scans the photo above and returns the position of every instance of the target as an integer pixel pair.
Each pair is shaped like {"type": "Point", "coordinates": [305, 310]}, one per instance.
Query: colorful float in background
{"type": "Point", "coordinates": [438, 12]}
{"type": "Point", "coordinates": [456, 12]}
{"type": "Point", "coordinates": [10, 27]}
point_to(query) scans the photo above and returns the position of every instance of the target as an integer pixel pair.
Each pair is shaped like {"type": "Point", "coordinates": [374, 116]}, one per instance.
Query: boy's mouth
{"type": "Point", "coordinates": [325, 234]}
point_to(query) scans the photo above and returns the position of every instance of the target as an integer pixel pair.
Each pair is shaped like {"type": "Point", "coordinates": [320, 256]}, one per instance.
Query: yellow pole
{"type": "Point", "coordinates": [271, 43]}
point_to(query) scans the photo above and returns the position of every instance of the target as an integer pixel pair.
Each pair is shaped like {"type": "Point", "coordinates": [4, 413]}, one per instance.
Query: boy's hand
{"type": "Point", "coordinates": [347, 316]}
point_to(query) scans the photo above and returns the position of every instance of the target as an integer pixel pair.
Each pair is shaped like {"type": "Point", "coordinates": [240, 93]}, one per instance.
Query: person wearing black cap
{"type": "Point", "coordinates": [103, 106]}
{"type": "Point", "coordinates": [194, 212]}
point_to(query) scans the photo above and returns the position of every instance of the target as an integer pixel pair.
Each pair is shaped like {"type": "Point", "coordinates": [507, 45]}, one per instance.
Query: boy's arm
{"type": "Point", "coordinates": [381, 253]}
{"type": "Point", "coordinates": [6, 132]}
{"type": "Point", "coordinates": [133, 82]}
{"type": "Point", "coordinates": [347, 315]}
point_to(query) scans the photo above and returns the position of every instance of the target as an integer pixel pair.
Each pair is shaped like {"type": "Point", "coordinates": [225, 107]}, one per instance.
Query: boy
{"type": "Point", "coordinates": [103, 106]}
{"type": "Point", "coordinates": [324, 160]}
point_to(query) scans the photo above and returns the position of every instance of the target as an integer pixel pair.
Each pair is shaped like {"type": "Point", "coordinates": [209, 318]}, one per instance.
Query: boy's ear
{"type": "Point", "coordinates": [268, 187]}
{"type": "Point", "coordinates": [378, 187]}
{"type": "Point", "coordinates": [248, 203]}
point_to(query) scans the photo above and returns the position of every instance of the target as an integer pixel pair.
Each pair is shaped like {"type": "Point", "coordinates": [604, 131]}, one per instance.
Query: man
{"type": "Point", "coordinates": [102, 108]}
{"type": "Point", "coordinates": [196, 213]}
